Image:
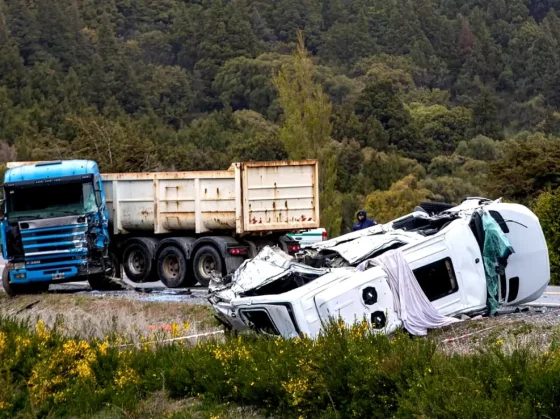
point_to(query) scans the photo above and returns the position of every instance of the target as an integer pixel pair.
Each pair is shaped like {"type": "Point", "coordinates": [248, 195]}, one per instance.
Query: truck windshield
{"type": "Point", "coordinates": [50, 201]}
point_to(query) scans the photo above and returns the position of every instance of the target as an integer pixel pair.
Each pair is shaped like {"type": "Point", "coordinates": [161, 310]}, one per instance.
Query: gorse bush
{"type": "Point", "coordinates": [347, 372]}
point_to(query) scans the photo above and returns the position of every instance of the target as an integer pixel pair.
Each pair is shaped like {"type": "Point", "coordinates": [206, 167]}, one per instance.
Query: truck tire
{"type": "Point", "coordinates": [207, 259]}
{"type": "Point", "coordinates": [11, 289]}
{"type": "Point", "coordinates": [172, 267]}
{"type": "Point", "coordinates": [138, 257]}
{"type": "Point", "coordinates": [101, 282]}
{"type": "Point", "coordinates": [17, 289]}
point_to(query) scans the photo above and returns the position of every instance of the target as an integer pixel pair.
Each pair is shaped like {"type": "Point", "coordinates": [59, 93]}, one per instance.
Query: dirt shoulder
{"type": "Point", "coordinates": [90, 316]}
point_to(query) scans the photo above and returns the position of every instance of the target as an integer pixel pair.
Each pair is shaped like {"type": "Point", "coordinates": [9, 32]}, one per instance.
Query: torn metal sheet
{"type": "Point", "coordinates": [364, 247]}
{"type": "Point", "coordinates": [270, 265]}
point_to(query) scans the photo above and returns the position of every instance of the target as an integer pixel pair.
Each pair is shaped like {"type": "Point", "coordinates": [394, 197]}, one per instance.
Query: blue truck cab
{"type": "Point", "coordinates": [54, 226]}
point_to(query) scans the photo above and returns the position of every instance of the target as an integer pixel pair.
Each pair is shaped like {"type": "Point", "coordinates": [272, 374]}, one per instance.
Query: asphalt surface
{"type": "Point", "coordinates": [550, 298]}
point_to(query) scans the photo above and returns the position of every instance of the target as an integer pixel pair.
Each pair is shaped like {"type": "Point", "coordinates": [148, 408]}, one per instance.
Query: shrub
{"type": "Point", "coordinates": [547, 208]}
{"type": "Point", "coordinates": [346, 372]}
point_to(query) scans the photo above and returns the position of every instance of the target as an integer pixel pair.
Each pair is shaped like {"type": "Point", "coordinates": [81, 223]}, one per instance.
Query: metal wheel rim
{"type": "Point", "coordinates": [136, 262]}
{"type": "Point", "coordinates": [206, 265]}
{"type": "Point", "coordinates": [171, 266]}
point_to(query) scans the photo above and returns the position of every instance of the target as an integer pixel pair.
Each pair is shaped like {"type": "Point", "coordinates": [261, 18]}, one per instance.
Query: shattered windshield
{"type": "Point", "coordinates": [50, 201]}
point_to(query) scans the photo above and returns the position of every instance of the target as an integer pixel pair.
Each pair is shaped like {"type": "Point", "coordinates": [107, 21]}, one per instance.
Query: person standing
{"type": "Point", "coordinates": [363, 221]}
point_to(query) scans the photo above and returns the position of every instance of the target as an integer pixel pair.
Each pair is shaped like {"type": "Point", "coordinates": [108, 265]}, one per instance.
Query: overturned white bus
{"type": "Point", "coordinates": [414, 272]}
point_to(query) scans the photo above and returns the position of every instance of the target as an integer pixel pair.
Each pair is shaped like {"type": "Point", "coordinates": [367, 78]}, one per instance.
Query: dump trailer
{"type": "Point", "coordinates": [184, 228]}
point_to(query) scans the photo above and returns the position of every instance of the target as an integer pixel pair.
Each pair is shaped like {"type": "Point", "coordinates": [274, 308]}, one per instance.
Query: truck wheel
{"type": "Point", "coordinates": [11, 289]}
{"type": "Point", "coordinates": [172, 267]}
{"type": "Point", "coordinates": [138, 261]}
{"type": "Point", "coordinates": [206, 260]}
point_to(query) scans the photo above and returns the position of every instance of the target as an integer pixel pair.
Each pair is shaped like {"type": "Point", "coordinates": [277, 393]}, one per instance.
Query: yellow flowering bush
{"type": "Point", "coordinates": [347, 371]}
{"type": "Point", "coordinates": [3, 342]}
{"type": "Point", "coordinates": [126, 376]}
{"type": "Point", "coordinates": [70, 362]}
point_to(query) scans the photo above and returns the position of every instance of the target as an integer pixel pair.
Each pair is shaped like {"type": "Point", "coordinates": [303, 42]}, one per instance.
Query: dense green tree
{"type": "Point", "coordinates": [11, 64]}
{"type": "Point", "coordinates": [484, 116]}
{"type": "Point", "coordinates": [256, 139]}
{"type": "Point", "coordinates": [380, 170]}
{"type": "Point", "coordinates": [379, 101]}
{"type": "Point", "coordinates": [350, 159]}
{"type": "Point", "coordinates": [246, 83]}
{"type": "Point", "coordinates": [450, 189]}
{"type": "Point", "coordinates": [446, 127]}
{"type": "Point", "coordinates": [547, 207]}
{"type": "Point", "coordinates": [399, 200]}
{"type": "Point", "coordinates": [480, 148]}
{"type": "Point", "coordinates": [420, 87]}
{"type": "Point", "coordinates": [529, 166]}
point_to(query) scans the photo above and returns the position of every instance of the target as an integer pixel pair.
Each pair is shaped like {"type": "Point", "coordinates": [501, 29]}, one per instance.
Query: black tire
{"type": "Point", "coordinates": [138, 261]}
{"type": "Point", "coordinates": [116, 266]}
{"type": "Point", "coordinates": [205, 260]}
{"type": "Point", "coordinates": [101, 282]}
{"type": "Point", "coordinates": [11, 289]}
{"type": "Point", "coordinates": [172, 267]}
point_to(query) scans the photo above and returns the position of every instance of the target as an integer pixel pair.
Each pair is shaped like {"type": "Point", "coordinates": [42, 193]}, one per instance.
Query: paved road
{"type": "Point", "coordinates": [550, 298]}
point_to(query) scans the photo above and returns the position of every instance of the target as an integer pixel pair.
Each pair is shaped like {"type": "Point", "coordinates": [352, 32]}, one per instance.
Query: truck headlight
{"type": "Point", "coordinates": [20, 265]}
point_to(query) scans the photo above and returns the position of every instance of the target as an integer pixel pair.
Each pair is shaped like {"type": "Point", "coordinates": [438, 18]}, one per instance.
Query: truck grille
{"type": "Point", "coordinates": [54, 246]}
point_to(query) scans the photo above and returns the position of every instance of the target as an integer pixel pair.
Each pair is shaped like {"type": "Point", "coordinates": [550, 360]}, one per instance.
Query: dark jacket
{"type": "Point", "coordinates": [367, 222]}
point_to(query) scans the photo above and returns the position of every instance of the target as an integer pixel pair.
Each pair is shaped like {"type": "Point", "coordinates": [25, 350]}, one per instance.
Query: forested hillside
{"type": "Point", "coordinates": [430, 99]}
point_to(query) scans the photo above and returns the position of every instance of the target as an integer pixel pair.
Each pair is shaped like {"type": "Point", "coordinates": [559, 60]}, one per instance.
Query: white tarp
{"type": "Point", "coordinates": [411, 304]}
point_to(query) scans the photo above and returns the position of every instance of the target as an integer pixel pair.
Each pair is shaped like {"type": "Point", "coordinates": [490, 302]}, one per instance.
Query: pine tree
{"type": "Point", "coordinates": [306, 131]}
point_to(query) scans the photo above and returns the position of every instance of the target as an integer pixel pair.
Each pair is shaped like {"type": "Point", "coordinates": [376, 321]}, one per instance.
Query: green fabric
{"type": "Point", "coordinates": [497, 249]}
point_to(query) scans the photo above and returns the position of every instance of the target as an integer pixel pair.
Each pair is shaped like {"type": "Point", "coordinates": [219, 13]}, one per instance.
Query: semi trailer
{"type": "Point", "coordinates": [65, 221]}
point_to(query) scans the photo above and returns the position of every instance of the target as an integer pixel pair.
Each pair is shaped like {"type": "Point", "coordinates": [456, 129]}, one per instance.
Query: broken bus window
{"type": "Point", "coordinates": [437, 279]}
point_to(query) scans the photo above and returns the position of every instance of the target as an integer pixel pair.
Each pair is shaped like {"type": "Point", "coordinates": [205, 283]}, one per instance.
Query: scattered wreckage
{"type": "Point", "coordinates": [418, 272]}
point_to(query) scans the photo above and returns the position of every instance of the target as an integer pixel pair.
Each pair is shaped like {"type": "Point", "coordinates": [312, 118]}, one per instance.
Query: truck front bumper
{"type": "Point", "coordinates": [52, 275]}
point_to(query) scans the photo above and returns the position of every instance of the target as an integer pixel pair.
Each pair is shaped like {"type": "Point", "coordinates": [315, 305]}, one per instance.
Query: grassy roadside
{"type": "Point", "coordinates": [90, 317]}
{"type": "Point", "coordinates": [346, 373]}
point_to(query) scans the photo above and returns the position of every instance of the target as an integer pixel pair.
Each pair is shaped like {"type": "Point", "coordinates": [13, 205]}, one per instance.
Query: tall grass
{"type": "Point", "coordinates": [345, 373]}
